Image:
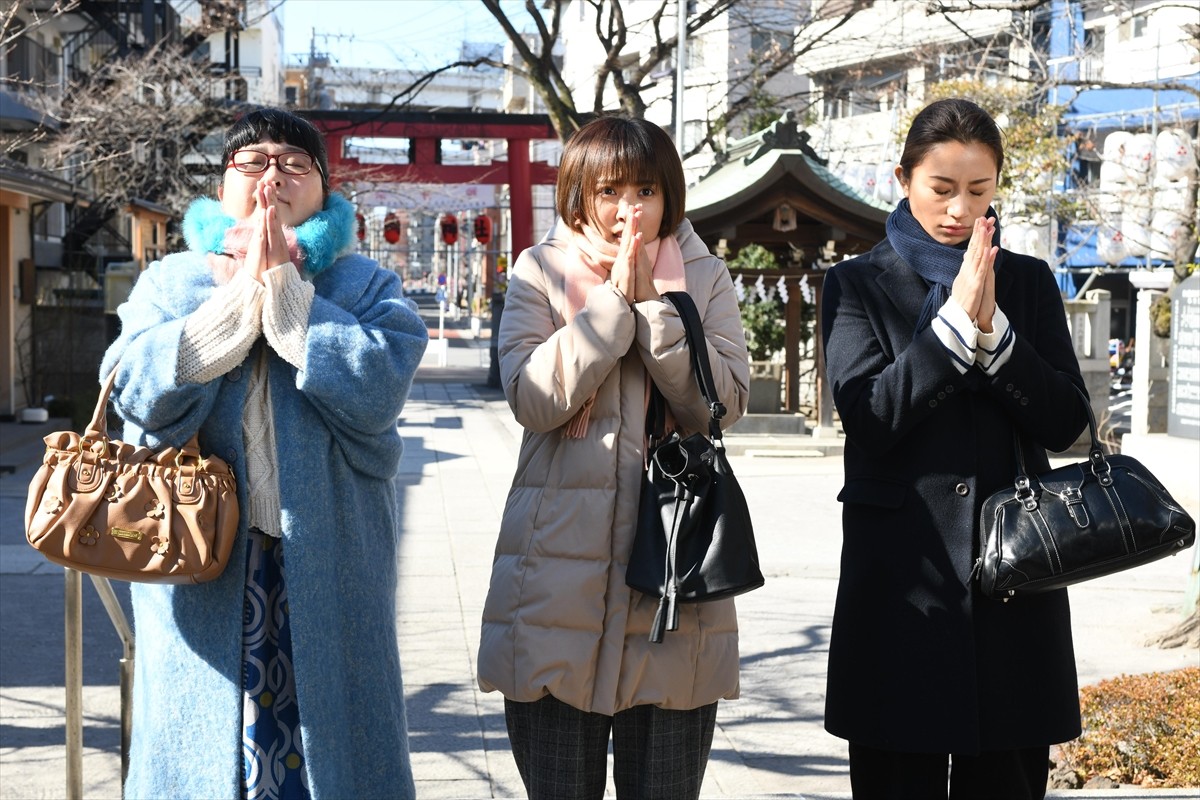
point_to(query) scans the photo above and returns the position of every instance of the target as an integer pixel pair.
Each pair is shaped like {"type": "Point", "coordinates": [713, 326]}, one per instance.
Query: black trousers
{"type": "Point", "coordinates": [562, 752]}
{"type": "Point", "coordinates": [995, 775]}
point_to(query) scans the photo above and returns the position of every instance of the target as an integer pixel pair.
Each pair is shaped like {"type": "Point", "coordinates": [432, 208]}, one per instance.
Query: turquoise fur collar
{"type": "Point", "coordinates": [323, 237]}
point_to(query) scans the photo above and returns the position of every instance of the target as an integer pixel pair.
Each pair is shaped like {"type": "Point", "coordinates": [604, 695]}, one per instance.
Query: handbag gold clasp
{"type": "Point", "coordinates": [88, 445]}
{"type": "Point", "coordinates": [181, 463]}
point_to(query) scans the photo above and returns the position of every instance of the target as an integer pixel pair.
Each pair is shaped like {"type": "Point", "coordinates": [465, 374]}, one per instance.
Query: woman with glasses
{"type": "Point", "coordinates": [292, 357]}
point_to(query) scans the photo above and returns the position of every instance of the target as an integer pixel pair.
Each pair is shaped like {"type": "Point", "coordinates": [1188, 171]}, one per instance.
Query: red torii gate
{"type": "Point", "coordinates": [426, 129]}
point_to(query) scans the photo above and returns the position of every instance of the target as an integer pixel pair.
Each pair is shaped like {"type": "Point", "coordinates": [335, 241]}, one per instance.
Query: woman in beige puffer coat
{"type": "Point", "coordinates": [584, 330]}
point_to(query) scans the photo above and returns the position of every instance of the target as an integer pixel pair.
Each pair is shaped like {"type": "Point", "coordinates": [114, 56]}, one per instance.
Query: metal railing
{"type": "Point", "coordinates": [73, 647]}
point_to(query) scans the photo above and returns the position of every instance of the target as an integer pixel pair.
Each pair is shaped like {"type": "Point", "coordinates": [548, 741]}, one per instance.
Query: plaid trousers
{"type": "Point", "coordinates": [562, 752]}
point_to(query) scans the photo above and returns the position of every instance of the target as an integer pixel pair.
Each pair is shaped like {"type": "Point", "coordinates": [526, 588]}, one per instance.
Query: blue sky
{"type": "Point", "coordinates": [391, 34]}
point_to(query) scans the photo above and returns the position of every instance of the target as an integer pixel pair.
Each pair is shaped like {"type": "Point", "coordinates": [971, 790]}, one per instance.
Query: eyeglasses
{"type": "Point", "coordinates": [252, 162]}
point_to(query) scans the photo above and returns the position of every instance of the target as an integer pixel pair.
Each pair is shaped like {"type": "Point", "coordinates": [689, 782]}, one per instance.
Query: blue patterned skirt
{"type": "Point", "coordinates": [272, 750]}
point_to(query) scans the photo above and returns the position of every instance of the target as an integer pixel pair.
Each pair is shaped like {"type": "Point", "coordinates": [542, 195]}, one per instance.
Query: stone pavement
{"type": "Point", "coordinates": [460, 448]}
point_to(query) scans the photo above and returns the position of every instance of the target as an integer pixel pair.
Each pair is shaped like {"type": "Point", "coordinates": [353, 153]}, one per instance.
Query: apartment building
{"type": "Point", "coordinates": [246, 50]}
{"type": "Point", "coordinates": [720, 66]}
{"type": "Point", "coordinates": [55, 243]}
{"type": "Point", "coordinates": [1120, 69]}
{"type": "Point", "coordinates": [67, 256]}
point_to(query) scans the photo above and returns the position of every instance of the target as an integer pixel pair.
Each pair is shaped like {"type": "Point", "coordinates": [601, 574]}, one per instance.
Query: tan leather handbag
{"type": "Point", "coordinates": [111, 509]}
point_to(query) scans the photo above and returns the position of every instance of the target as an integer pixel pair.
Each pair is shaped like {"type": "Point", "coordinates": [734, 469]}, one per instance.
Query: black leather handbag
{"type": "Point", "coordinates": [694, 539]}
{"type": "Point", "coordinates": [1076, 522]}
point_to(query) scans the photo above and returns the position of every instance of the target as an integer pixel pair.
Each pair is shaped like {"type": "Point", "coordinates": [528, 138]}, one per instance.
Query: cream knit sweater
{"type": "Point", "coordinates": [218, 336]}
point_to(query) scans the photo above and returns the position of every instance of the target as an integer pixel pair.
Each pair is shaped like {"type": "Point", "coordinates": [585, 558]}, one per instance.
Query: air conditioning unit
{"type": "Point", "coordinates": [118, 283]}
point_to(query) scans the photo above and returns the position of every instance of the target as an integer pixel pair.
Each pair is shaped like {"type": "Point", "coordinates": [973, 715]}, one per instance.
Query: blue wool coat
{"type": "Point", "coordinates": [338, 450]}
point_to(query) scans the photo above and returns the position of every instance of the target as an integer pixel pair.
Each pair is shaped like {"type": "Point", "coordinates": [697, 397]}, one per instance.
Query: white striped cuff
{"type": "Point", "coordinates": [957, 334]}
{"type": "Point", "coordinates": [995, 348]}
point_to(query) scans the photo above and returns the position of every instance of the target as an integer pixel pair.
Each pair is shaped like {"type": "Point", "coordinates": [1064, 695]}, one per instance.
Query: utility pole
{"type": "Point", "coordinates": [312, 57]}
{"type": "Point", "coordinates": [680, 59]}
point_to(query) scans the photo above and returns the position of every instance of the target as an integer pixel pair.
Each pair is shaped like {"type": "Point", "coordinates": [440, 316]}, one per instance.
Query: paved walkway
{"type": "Point", "coordinates": [461, 444]}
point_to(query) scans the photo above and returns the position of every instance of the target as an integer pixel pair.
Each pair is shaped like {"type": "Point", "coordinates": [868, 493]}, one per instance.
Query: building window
{"type": "Point", "coordinates": [849, 96]}
{"type": "Point", "coordinates": [1132, 28]}
{"type": "Point", "coordinates": [767, 44]}
{"type": "Point", "coordinates": [990, 67]}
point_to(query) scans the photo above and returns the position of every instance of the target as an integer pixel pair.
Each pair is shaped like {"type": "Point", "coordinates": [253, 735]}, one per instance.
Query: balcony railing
{"type": "Point", "coordinates": [31, 63]}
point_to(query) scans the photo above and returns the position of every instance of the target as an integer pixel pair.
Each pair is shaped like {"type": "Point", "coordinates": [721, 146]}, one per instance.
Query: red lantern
{"type": "Point", "coordinates": [391, 228]}
{"type": "Point", "coordinates": [483, 229]}
{"type": "Point", "coordinates": [362, 226]}
{"type": "Point", "coordinates": [449, 229]}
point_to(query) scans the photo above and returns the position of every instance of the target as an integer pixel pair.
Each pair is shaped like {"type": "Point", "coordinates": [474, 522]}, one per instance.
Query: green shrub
{"type": "Point", "coordinates": [763, 323]}
{"type": "Point", "coordinates": [1140, 729]}
{"type": "Point", "coordinates": [761, 319]}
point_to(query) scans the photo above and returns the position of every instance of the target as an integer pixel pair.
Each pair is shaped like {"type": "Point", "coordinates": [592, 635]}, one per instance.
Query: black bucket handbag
{"type": "Point", "coordinates": [694, 539]}
{"type": "Point", "coordinates": [1077, 522]}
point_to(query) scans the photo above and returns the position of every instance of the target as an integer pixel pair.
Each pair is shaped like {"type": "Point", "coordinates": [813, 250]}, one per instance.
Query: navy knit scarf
{"type": "Point", "coordinates": [937, 263]}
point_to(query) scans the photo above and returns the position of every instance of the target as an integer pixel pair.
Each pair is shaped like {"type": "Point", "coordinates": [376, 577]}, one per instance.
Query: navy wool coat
{"type": "Point", "coordinates": [338, 451]}
{"type": "Point", "coordinates": [919, 660]}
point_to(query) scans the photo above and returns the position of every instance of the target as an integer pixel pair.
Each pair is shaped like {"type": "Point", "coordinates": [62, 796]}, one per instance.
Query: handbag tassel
{"type": "Point", "coordinates": [667, 616]}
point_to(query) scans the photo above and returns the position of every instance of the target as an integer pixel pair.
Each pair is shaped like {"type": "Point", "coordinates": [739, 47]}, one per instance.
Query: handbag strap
{"type": "Point", "coordinates": [694, 331]}
{"type": "Point", "coordinates": [98, 427]}
{"type": "Point", "coordinates": [1100, 467]}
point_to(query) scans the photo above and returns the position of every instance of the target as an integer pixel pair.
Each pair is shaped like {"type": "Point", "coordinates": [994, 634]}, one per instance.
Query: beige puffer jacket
{"type": "Point", "coordinates": [559, 618]}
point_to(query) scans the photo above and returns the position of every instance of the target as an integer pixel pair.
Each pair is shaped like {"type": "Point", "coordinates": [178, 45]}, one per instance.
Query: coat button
{"type": "Point", "coordinates": [941, 395]}
{"type": "Point", "coordinates": [950, 389]}
{"type": "Point", "coordinates": [1017, 393]}
{"type": "Point", "coordinates": [1024, 401]}
{"type": "Point", "coordinates": [962, 490]}
{"type": "Point", "coordinates": [234, 374]}
{"type": "Point", "coordinates": [231, 455]}
{"type": "Point", "coordinates": [1008, 388]}
{"type": "Point", "coordinates": [933, 403]}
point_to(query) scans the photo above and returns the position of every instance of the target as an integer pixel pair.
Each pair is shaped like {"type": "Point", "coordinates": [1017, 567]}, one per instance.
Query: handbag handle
{"type": "Point", "coordinates": [1100, 466]}
{"type": "Point", "coordinates": [97, 429]}
{"type": "Point", "coordinates": [694, 331]}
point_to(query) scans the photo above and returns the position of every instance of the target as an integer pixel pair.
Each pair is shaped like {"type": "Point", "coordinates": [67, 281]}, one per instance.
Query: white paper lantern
{"type": "Point", "coordinates": [1137, 157]}
{"type": "Point", "coordinates": [1136, 235]}
{"type": "Point", "coordinates": [1110, 245]}
{"type": "Point", "coordinates": [1137, 205]}
{"type": "Point", "coordinates": [866, 180]}
{"type": "Point", "coordinates": [1171, 196]}
{"type": "Point", "coordinates": [852, 174]}
{"type": "Point", "coordinates": [1013, 235]}
{"type": "Point", "coordinates": [1107, 205]}
{"type": "Point", "coordinates": [885, 183]}
{"type": "Point", "coordinates": [1112, 173]}
{"type": "Point", "coordinates": [1166, 230]}
{"type": "Point", "coordinates": [1038, 241]}
{"type": "Point", "coordinates": [1173, 156]}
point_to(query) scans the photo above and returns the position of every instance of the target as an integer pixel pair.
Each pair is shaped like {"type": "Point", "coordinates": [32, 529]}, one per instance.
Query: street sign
{"type": "Point", "coordinates": [1183, 395]}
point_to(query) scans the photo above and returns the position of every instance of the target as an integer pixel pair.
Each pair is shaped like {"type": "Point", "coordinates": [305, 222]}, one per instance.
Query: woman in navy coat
{"type": "Point", "coordinates": [940, 347]}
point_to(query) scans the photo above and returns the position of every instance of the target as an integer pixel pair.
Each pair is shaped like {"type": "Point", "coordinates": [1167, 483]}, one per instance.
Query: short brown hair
{"type": "Point", "coordinates": [621, 150]}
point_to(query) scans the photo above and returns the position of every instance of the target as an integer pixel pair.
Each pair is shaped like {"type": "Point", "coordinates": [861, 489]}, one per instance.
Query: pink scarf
{"type": "Point", "coordinates": [237, 241]}
{"type": "Point", "coordinates": [590, 259]}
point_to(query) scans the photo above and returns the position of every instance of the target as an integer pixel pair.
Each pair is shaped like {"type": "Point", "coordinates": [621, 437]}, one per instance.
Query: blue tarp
{"type": "Point", "coordinates": [1112, 109]}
